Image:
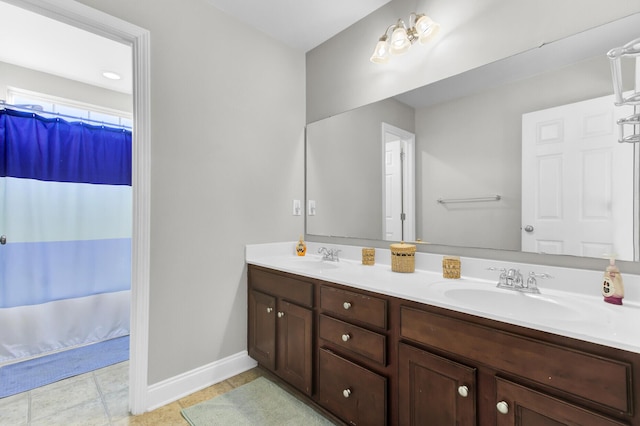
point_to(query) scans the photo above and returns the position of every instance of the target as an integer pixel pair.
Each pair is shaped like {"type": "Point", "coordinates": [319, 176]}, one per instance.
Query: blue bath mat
{"type": "Point", "coordinates": [27, 375]}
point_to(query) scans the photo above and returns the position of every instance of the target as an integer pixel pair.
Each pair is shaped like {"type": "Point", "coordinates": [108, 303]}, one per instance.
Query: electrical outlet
{"type": "Point", "coordinates": [297, 208]}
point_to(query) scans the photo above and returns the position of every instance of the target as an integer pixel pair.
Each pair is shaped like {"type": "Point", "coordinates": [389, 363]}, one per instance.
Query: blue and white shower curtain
{"type": "Point", "coordinates": [65, 206]}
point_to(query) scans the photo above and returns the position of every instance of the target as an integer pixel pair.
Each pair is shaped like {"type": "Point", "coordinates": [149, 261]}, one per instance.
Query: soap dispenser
{"type": "Point", "coordinates": [301, 247]}
{"type": "Point", "coordinates": [612, 287]}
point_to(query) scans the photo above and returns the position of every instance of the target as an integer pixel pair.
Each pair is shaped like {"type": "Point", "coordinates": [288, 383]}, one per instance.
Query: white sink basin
{"type": "Point", "coordinates": [509, 303]}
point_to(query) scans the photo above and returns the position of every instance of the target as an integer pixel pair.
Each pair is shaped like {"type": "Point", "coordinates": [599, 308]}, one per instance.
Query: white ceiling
{"type": "Point", "coordinates": [302, 24]}
{"type": "Point", "coordinates": [43, 44]}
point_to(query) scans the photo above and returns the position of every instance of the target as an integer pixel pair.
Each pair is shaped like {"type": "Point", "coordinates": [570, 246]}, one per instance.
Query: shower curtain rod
{"type": "Point", "coordinates": [29, 108]}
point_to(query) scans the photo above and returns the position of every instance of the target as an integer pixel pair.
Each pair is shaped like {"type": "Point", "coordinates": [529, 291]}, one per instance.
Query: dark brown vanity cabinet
{"type": "Point", "coordinates": [352, 337]}
{"type": "Point", "coordinates": [372, 359]}
{"type": "Point", "coordinates": [462, 372]}
{"type": "Point", "coordinates": [280, 332]}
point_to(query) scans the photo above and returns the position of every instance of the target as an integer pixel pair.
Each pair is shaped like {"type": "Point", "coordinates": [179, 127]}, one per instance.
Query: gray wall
{"type": "Point", "coordinates": [35, 81]}
{"type": "Point", "coordinates": [340, 76]}
{"type": "Point", "coordinates": [227, 132]}
{"type": "Point", "coordinates": [344, 169]}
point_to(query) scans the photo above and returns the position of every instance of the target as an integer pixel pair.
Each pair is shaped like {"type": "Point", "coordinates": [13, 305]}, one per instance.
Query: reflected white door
{"type": "Point", "coordinates": [393, 190]}
{"type": "Point", "coordinates": [577, 181]}
{"type": "Point", "coordinates": [399, 184]}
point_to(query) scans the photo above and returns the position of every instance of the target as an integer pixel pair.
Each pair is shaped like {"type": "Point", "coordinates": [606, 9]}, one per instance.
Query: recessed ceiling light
{"type": "Point", "coordinates": [111, 75]}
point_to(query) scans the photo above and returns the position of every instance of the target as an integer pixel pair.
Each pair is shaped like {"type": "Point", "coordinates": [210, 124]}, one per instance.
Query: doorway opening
{"type": "Point", "coordinates": [97, 22]}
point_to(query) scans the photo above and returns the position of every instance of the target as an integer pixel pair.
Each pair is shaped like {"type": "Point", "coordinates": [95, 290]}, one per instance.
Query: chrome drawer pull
{"type": "Point", "coordinates": [280, 314]}
{"type": "Point", "coordinates": [502, 407]}
{"type": "Point", "coordinates": [269, 310]}
{"type": "Point", "coordinates": [346, 337]}
{"type": "Point", "coordinates": [346, 393]}
{"type": "Point", "coordinates": [346, 305]}
{"type": "Point", "coordinates": [463, 391]}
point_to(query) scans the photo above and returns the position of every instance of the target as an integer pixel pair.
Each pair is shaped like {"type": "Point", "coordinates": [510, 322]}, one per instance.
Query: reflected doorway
{"type": "Point", "coordinates": [398, 187]}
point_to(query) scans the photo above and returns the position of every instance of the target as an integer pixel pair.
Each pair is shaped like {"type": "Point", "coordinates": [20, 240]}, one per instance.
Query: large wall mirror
{"type": "Point", "coordinates": [519, 155]}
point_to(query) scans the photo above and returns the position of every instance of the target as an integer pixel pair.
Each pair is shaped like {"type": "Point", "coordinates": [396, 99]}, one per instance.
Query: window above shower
{"type": "Point", "coordinates": [53, 106]}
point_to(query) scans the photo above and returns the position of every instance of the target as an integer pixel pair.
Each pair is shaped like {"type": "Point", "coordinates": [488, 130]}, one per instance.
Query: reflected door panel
{"type": "Point", "coordinates": [577, 184]}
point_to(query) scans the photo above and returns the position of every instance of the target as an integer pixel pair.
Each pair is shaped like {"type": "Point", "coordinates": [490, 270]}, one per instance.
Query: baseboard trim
{"type": "Point", "coordinates": [174, 388]}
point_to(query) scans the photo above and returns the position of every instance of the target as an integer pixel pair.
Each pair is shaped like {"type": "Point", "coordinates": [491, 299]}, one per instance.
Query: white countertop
{"type": "Point", "coordinates": [570, 303]}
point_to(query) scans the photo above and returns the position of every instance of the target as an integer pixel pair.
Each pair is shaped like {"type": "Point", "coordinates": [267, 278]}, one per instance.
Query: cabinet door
{"type": "Point", "coordinates": [262, 328]}
{"type": "Point", "coordinates": [294, 358]}
{"type": "Point", "coordinates": [519, 405]}
{"type": "Point", "coordinates": [435, 390]}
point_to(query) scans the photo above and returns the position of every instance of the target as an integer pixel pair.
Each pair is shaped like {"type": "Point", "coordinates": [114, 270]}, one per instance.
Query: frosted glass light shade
{"type": "Point", "coordinates": [381, 52]}
{"type": "Point", "coordinates": [399, 41]}
{"type": "Point", "coordinates": [426, 29]}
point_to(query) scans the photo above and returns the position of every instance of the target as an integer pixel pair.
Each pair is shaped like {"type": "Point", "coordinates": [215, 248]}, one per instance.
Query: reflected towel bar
{"type": "Point", "coordinates": [469, 200]}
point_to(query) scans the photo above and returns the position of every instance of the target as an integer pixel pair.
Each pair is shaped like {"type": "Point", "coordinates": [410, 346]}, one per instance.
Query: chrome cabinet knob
{"type": "Point", "coordinates": [528, 228]}
{"type": "Point", "coordinates": [346, 393]}
{"type": "Point", "coordinates": [269, 310]}
{"type": "Point", "coordinates": [346, 337]}
{"type": "Point", "coordinates": [502, 407]}
{"type": "Point", "coordinates": [346, 305]}
{"type": "Point", "coordinates": [463, 391]}
{"type": "Point", "coordinates": [3, 239]}
{"type": "Point", "coordinates": [280, 314]}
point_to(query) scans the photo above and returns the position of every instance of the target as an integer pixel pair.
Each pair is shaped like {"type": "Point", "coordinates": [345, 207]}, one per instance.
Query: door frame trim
{"type": "Point", "coordinates": [103, 24]}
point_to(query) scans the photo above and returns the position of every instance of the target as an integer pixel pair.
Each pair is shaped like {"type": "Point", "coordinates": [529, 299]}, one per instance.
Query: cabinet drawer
{"type": "Point", "coordinates": [291, 289]}
{"type": "Point", "coordinates": [354, 306]}
{"type": "Point", "coordinates": [356, 339]}
{"type": "Point", "coordinates": [603, 381]}
{"type": "Point", "coordinates": [353, 393]}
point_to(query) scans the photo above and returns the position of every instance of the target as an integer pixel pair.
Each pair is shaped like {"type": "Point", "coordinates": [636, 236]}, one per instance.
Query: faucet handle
{"type": "Point", "coordinates": [335, 254]}
{"type": "Point", "coordinates": [502, 280]}
{"type": "Point", "coordinates": [532, 283]}
{"type": "Point", "coordinates": [503, 271]}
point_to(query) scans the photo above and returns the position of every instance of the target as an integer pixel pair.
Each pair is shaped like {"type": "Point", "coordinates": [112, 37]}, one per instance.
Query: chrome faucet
{"type": "Point", "coordinates": [329, 254]}
{"type": "Point", "coordinates": [512, 279]}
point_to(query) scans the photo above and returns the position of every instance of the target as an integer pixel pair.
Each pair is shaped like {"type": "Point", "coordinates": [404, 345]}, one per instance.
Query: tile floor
{"type": "Point", "coordinates": [100, 398]}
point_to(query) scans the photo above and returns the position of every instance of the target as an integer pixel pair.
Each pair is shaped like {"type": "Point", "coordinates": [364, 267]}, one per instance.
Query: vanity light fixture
{"type": "Point", "coordinates": [422, 29]}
